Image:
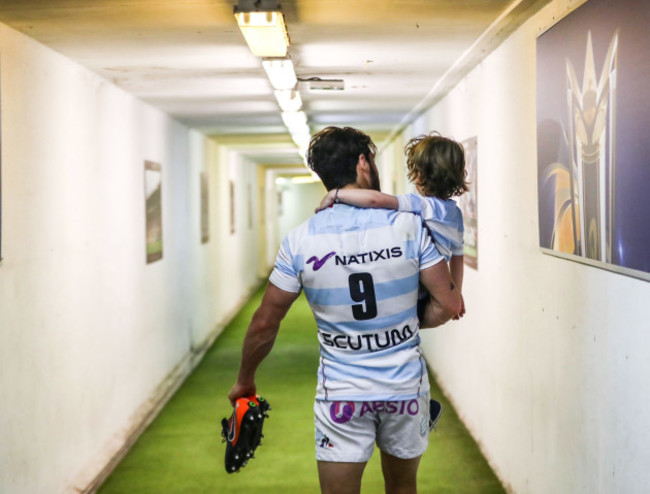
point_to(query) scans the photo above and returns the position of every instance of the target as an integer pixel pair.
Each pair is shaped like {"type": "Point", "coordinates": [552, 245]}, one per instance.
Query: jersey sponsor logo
{"type": "Point", "coordinates": [318, 263]}
{"type": "Point", "coordinates": [372, 256]}
{"type": "Point", "coordinates": [412, 407]}
{"type": "Point", "coordinates": [372, 341]}
{"type": "Point", "coordinates": [342, 411]}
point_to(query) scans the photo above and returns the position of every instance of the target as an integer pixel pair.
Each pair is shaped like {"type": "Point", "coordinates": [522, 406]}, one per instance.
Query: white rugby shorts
{"type": "Point", "coordinates": [346, 431]}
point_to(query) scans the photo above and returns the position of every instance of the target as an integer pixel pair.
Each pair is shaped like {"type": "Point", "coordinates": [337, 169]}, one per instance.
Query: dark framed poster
{"type": "Point", "coordinates": [593, 119]}
{"type": "Point", "coordinates": [153, 210]}
{"type": "Point", "coordinates": [468, 204]}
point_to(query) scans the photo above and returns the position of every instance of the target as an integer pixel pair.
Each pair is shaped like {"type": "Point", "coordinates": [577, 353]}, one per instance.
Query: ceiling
{"type": "Point", "coordinates": [188, 57]}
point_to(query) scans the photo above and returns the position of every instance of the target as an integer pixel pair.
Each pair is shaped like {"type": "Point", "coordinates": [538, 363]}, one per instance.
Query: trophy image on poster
{"type": "Point", "coordinates": [593, 154]}
{"type": "Point", "coordinates": [591, 135]}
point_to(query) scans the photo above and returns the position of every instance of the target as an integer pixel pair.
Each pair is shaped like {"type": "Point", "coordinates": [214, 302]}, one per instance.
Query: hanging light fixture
{"type": "Point", "coordinates": [294, 119]}
{"type": "Point", "coordinates": [280, 72]}
{"type": "Point", "coordinates": [264, 29]}
{"type": "Point", "coordinates": [262, 24]}
{"type": "Point", "coordinates": [288, 99]}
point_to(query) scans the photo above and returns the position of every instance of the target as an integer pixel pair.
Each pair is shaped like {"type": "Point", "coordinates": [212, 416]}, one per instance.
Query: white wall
{"type": "Point", "coordinates": [233, 256]}
{"type": "Point", "coordinates": [298, 204]}
{"type": "Point", "coordinates": [88, 332]}
{"type": "Point", "coordinates": [549, 367]}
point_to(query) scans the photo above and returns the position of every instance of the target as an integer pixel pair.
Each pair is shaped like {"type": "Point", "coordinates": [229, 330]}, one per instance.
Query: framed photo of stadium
{"type": "Point", "coordinates": [0, 190]}
{"type": "Point", "coordinates": [231, 189]}
{"type": "Point", "coordinates": [593, 119]}
{"type": "Point", "coordinates": [249, 202]}
{"type": "Point", "coordinates": [153, 211]}
{"type": "Point", "coordinates": [205, 208]}
{"type": "Point", "coordinates": [468, 204]}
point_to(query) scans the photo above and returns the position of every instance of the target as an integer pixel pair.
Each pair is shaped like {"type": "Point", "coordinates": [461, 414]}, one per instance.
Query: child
{"type": "Point", "coordinates": [436, 165]}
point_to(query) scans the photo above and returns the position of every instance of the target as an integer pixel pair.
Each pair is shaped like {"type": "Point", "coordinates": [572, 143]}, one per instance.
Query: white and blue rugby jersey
{"type": "Point", "coordinates": [442, 217]}
{"type": "Point", "coordinates": [360, 272]}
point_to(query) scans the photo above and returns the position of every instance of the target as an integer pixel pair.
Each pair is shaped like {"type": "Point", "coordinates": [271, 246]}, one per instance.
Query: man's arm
{"type": "Point", "coordinates": [363, 198]}
{"type": "Point", "coordinates": [260, 338]}
{"type": "Point", "coordinates": [446, 301]}
{"type": "Point", "coordinates": [456, 268]}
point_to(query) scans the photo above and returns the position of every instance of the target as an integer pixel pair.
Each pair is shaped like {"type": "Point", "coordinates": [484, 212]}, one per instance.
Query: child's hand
{"type": "Point", "coordinates": [462, 309]}
{"type": "Point", "coordinates": [327, 201]}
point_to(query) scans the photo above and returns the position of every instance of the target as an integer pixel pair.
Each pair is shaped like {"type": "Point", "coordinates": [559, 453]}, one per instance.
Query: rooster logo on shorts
{"type": "Point", "coordinates": [322, 440]}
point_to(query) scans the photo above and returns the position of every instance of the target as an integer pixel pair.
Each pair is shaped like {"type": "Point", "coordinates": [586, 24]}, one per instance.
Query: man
{"type": "Point", "coordinates": [360, 270]}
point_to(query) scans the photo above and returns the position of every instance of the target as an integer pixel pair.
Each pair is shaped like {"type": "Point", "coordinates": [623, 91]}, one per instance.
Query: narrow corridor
{"type": "Point", "coordinates": [182, 452]}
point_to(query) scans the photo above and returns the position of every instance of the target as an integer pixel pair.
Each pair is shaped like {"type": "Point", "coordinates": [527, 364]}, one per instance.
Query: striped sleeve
{"type": "Point", "coordinates": [284, 274]}
{"type": "Point", "coordinates": [443, 219]}
{"type": "Point", "coordinates": [409, 203]}
{"type": "Point", "coordinates": [429, 254]}
{"type": "Point", "coordinates": [455, 217]}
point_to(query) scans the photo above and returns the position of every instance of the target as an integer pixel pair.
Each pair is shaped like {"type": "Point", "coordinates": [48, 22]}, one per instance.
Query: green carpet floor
{"type": "Point", "coordinates": [181, 451]}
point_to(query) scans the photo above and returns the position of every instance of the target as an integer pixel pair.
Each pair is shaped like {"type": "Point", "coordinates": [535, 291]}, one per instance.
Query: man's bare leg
{"type": "Point", "coordinates": [339, 477]}
{"type": "Point", "coordinates": [400, 476]}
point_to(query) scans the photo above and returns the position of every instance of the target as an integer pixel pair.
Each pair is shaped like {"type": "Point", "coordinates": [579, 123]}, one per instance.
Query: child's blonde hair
{"type": "Point", "coordinates": [437, 165]}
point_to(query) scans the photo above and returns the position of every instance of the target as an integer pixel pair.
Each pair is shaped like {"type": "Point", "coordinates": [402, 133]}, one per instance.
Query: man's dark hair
{"type": "Point", "coordinates": [334, 153]}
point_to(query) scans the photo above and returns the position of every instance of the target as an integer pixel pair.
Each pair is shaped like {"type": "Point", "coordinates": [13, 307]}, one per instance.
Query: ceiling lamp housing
{"type": "Point", "coordinates": [288, 99]}
{"type": "Point", "coordinates": [262, 24]}
{"type": "Point", "coordinates": [280, 73]}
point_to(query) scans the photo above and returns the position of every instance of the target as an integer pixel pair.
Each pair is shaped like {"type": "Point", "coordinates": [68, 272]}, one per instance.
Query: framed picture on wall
{"type": "Point", "coordinates": [261, 208]}
{"type": "Point", "coordinates": [249, 201]}
{"type": "Point", "coordinates": [0, 189]}
{"type": "Point", "coordinates": [468, 204]}
{"type": "Point", "coordinates": [593, 119]}
{"type": "Point", "coordinates": [231, 189]}
{"type": "Point", "coordinates": [153, 211]}
{"type": "Point", "coordinates": [205, 208]}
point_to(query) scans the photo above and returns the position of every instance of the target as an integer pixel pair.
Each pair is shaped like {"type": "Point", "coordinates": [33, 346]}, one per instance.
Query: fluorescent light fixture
{"type": "Point", "coordinates": [288, 99]}
{"type": "Point", "coordinates": [301, 131]}
{"type": "Point", "coordinates": [294, 119]}
{"type": "Point", "coordinates": [264, 31]}
{"type": "Point", "coordinates": [280, 72]}
{"type": "Point", "coordinates": [301, 139]}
